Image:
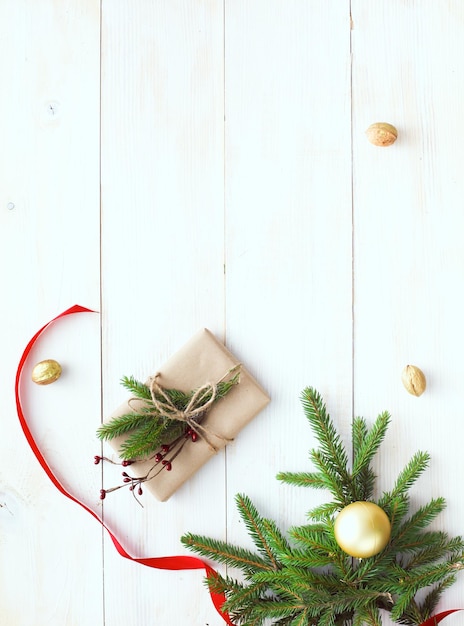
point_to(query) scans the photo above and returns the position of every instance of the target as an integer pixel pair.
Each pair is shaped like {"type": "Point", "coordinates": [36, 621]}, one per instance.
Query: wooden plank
{"type": "Point", "coordinates": [408, 255]}
{"type": "Point", "coordinates": [162, 265]}
{"type": "Point", "coordinates": [49, 249]}
{"type": "Point", "coordinates": [288, 235]}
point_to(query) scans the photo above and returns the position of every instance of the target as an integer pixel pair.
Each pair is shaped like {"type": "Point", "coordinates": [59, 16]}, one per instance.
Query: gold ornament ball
{"type": "Point", "coordinates": [362, 529]}
{"type": "Point", "coordinates": [46, 372]}
{"type": "Point", "coordinates": [382, 134]}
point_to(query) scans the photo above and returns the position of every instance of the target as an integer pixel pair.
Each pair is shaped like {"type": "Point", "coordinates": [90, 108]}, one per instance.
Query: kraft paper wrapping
{"type": "Point", "coordinates": [201, 360]}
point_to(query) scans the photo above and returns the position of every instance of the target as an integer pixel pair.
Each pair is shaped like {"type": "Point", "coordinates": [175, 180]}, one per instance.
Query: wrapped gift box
{"type": "Point", "coordinates": [202, 360]}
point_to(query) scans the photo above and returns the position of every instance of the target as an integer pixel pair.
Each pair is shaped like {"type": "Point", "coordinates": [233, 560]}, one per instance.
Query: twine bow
{"type": "Point", "coordinates": [199, 404]}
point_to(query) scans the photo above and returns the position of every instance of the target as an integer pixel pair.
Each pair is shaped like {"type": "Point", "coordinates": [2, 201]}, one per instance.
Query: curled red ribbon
{"type": "Point", "coordinates": [167, 562]}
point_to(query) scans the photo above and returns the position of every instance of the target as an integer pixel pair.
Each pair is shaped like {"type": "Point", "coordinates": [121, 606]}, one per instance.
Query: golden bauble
{"type": "Point", "coordinates": [46, 372]}
{"type": "Point", "coordinates": [413, 380]}
{"type": "Point", "coordinates": [382, 134]}
{"type": "Point", "coordinates": [362, 529]}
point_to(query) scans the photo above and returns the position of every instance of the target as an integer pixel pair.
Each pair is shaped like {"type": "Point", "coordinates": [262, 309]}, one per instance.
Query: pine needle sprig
{"type": "Point", "coordinates": [365, 446]}
{"type": "Point", "coordinates": [315, 480]}
{"type": "Point", "coordinates": [136, 388]}
{"type": "Point", "coordinates": [304, 578]}
{"type": "Point", "coordinates": [275, 539]}
{"type": "Point", "coordinates": [406, 479]}
{"type": "Point", "coordinates": [147, 428]}
{"type": "Point", "coordinates": [142, 441]}
{"type": "Point", "coordinates": [406, 534]}
{"type": "Point", "coordinates": [437, 545]}
{"type": "Point", "coordinates": [315, 537]}
{"type": "Point", "coordinates": [331, 446]}
{"type": "Point", "coordinates": [430, 602]}
{"type": "Point", "coordinates": [331, 478]}
{"type": "Point", "coordinates": [222, 552]}
{"type": "Point", "coordinates": [323, 511]}
{"type": "Point", "coordinates": [243, 596]}
{"type": "Point", "coordinates": [369, 615]}
{"type": "Point", "coordinates": [364, 476]}
{"type": "Point", "coordinates": [219, 583]}
{"type": "Point", "coordinates": [256, 528]}
{"type": "Point", "coordinates": [123, 424]}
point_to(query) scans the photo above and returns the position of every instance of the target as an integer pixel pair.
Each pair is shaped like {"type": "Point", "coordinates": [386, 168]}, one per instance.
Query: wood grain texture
{"type": "Point", "coordinates": [408, 254]}
{"type": "Point", "coordinates": [49, 248]}
{"type": "Point", "coordinates": [162, 264]}
{"type": "Point", "coordinates": [288, 293]}
{"type": "Point", "coordinates": [203, 163]}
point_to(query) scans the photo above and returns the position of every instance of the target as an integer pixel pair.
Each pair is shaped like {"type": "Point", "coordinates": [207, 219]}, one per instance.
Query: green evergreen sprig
{"type": "Point", "coordinates": [146, 428]}
{"type": "Point", "coordinates": [304, 578]}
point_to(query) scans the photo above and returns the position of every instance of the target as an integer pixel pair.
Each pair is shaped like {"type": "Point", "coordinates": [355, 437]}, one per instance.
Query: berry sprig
{"type": "Point", "coordinates": [162, 460]}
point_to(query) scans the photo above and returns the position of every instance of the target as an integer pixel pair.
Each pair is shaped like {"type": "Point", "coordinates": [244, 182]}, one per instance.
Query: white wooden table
{"type": "Point", "coordinates": [178, 164]}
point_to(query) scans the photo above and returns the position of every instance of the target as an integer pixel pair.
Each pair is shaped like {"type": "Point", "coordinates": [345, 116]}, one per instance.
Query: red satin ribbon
{"type": "Point", "coordinates": [167, 562]}
{"type": "Point", "coordinates": [436, 619]}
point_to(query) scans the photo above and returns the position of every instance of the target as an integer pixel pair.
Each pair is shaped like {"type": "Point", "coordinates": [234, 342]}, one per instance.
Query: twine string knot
{"type": "Point", "coordinates": [199, 404]}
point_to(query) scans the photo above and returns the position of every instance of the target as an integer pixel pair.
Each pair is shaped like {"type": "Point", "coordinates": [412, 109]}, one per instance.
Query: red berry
{"type": "Point", "coordinates": [126, 480]}
{"type": "Point", "coordinates": [140, 491]}
{"type": "Point", "coordinates": [158, 457]}
{"type": "Point", "coordinates": [165, 447]}
{"type": "Point", "coordinates": [97, 459]}
{"type": "Point", "coordinates": [168, 466]}
{"type": "Point", "coordinates": [125, 463]}
{"type": "Point", "coordinates": [102, 494]}
{"type": "Point", "coordinates": [194, 436]}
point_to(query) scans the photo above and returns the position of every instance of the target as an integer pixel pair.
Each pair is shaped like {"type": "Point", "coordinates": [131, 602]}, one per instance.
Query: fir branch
{"type": "Point", "coordinates": [323, 511]}
{"type": "Point", "coordinates": [136, 388]}
{"type": "Point", "coordinates": [369, 615]}
{"type": "Point", "coordinates": [359, 432]}
{"type": "Point", "coordinates": [364, 452]}
{"type": "Point", "coordinates": [412, 614]}
{"type": "Point", "coordinates": [331, 478]}
{"type": "Point", "coordinates": [430, 602]}
{"type": "Point", "coordinates": [416, 466]}
{"type": "Point", "coordinates": [122, 424]}
{"type": "Point", "coordinates": [323, 428]}
{"type": "Point", "coordinates": [396, 509]}
{"type": "Point", "coordinates": [243, 596]}
{"type": "Point", "coordinates": [400, 608]}
{"type": "Point", "coordinates": [179, 398]}
{"type": "Point", "coordinates": [300, 620]}
{"type": "Point", "coordinates": [308, 579]}
{"type": "Point", "coordinates": [224, 386]}
{"type": "Point", "coordinates": [217, 583]}
{"type": "Point", "coordinates": [222, 552]}
{"type": "Point", "coordinates": [275, 539]}
{"type": "Point", "coordinates": [254, 525]}
{"type": "Point", "coordinates": [303, 479]}
{"type": "Point", "coordinates": [304, 581]}
{"type": "Point", "coordinates": [405, 535]}
{"type": "Point", "coordinates": [427, 575]}
{"type": "Point", "coordinates": [141, 442]}
{"type": "Point", "coordinates": [307, 559]}
{"type": "Point", "coordinates": [315, 537]}
{"type": "Point", "coordinates": [273, 608]}
{"type": "Point", "coordinates": [430, 547]}
{"type": "Point", "coordinates": [365, 477]}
